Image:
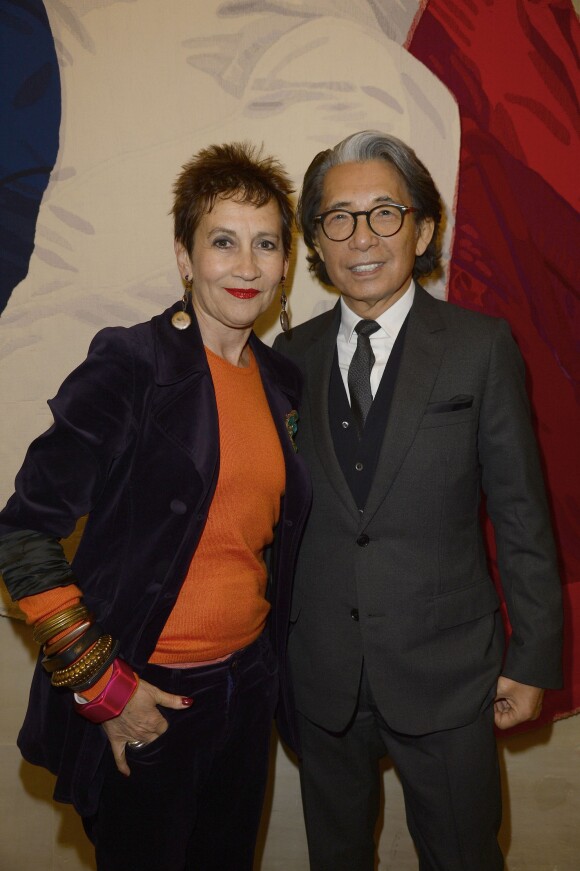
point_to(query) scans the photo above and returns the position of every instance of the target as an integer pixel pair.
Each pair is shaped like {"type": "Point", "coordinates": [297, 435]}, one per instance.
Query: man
{"type": "Point", "coordinates": [413, 408]}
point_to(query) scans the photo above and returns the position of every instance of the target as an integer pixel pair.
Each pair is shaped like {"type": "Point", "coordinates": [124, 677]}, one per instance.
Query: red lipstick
{"type": "Point", "coordinates": [242, 293]}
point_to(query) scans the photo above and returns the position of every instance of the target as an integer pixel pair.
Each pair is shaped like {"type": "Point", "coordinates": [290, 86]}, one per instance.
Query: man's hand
{"type": "Point", "coordinates": [516, 703]}
{"type": "Point", "coordinates": [140, 720]}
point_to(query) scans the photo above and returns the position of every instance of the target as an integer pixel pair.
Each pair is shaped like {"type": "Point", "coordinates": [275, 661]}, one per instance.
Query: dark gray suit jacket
{"type": "Point", "coordinates": [412, 568]}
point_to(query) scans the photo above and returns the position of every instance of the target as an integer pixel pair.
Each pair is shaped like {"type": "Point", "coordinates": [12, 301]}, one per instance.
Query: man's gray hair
{"type": "Point", "coordinates": [360, 148]}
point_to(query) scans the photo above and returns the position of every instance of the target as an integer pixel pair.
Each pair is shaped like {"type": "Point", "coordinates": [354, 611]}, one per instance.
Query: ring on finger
{"type": "Point", "coordinates": [136, 745]}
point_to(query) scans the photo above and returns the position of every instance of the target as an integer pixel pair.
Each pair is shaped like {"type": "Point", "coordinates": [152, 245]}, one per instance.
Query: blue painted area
{"type": "Point", "coordinates": [30, 110]}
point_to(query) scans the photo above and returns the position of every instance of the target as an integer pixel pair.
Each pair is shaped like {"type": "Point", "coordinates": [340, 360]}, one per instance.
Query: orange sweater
{"type": "Point", "coordinates": [221, 606]}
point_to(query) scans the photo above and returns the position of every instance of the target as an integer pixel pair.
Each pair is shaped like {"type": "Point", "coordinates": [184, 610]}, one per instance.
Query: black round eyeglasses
{"type": "Point", "coordinates": [384, 220]}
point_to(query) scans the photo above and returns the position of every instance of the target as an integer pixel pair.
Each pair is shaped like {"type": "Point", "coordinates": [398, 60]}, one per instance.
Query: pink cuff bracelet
{"type": "Point", "coordinates": [110, 703]}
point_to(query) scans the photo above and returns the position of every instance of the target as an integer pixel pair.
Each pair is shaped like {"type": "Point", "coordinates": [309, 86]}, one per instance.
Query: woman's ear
{"type": "Point", "coordinates": [183, 260]}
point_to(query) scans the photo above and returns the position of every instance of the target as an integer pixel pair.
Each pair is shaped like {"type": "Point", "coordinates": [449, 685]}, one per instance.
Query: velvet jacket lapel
{"type": "Point", "coordinates": [185, 407]}
{"type": "Point", "coordinates": [281, 388]}
{"type": "Point", "coordinates": [283, 397]}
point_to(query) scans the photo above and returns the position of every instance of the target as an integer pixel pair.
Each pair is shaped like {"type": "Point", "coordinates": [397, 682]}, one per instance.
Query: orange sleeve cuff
{"type": "Point", "coordinates": [43, 605]}
{"type": "Point", "coordinates": [98, 687]}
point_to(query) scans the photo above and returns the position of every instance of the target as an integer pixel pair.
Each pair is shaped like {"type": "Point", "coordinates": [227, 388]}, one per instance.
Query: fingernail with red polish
{"type": "Point", "coordinates": [186, 702]}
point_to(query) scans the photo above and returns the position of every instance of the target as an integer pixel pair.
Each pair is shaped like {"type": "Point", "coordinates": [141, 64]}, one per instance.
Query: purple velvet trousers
{"type": "Point", "coordinates": [194, 797]}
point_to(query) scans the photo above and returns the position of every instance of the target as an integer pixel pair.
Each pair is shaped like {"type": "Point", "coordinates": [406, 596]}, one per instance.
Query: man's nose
{"type": "Point", "coordinates": [363, 237]}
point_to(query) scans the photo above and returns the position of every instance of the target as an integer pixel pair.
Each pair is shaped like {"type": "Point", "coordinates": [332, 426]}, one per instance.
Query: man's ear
{"type": "Point", "coordinates": [317, 247]}
{"type": "Point", "coordinates": [424, 235]}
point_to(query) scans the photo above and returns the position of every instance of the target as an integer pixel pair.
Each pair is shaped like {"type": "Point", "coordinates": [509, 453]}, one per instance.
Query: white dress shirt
{"type": "Point", "coordinates": [382, 340]}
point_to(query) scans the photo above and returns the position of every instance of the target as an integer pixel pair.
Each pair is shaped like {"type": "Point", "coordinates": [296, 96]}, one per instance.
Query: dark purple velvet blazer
{"type": "Point", "coordinates": [135, 446]}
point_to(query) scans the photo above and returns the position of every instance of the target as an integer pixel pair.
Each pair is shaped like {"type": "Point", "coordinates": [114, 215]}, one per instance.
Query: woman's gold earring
{"type": "Point", "coordinates": [181, 320]}
{"type": "Point", "coordinates": [284, 319]}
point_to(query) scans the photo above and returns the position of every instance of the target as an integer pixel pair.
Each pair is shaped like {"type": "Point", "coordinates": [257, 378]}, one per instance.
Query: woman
{"type": "Point", "coordinates": [154, 693]}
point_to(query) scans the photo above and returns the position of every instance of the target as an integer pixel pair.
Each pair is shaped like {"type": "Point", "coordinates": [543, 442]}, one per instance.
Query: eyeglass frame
{"type": "Point", "coordinates": [355, 215]}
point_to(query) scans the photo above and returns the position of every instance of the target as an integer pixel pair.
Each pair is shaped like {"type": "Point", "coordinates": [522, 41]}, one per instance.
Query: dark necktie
{"type": "Point", "coordinates": [359, 373]}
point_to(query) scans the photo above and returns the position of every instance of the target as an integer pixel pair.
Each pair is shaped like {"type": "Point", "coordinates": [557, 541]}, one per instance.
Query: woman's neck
{"type": "Point", "coordinates": [230, 343]}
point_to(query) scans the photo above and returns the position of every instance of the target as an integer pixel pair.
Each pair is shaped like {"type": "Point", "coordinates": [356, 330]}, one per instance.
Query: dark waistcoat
{"type": "Point", "coordinates": [358, 458]}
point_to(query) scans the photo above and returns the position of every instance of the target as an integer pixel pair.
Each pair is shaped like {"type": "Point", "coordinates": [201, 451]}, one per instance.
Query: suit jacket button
{"type": "Point", "coordinates": [363, 540]}
{"type": "Point", "coordinates": [354, 614]}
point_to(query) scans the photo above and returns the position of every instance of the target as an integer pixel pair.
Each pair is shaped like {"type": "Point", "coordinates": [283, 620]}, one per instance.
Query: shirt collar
{"type": "Point", "coordinates": [390, 321]}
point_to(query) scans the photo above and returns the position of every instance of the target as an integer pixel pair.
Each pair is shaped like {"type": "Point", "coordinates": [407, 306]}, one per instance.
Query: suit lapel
{"type": "Point", "coordinates": [420, 363]}
{"type": "Point", "coordinates": [318, 360]}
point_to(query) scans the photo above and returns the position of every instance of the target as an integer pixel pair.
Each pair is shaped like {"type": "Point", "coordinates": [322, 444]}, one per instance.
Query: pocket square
{"type": "Point", "coordinates": [457, 403]}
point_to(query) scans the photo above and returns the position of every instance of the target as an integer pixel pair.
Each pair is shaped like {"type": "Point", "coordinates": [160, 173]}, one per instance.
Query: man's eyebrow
{"type": "Point", "coordinates": [345, 204]}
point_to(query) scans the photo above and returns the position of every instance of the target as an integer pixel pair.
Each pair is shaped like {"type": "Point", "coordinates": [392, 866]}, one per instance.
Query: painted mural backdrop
{"type": "Point", "coordinates": [513, 68]}
{"type": "Point", "coordinates": [103, 100]}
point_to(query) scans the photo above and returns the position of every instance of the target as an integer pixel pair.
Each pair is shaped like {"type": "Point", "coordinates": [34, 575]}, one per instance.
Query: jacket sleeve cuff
{"type": "Point", "coordinates": [32, 562]}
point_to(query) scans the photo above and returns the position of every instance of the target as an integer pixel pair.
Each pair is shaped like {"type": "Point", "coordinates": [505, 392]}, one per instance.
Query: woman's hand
{"type": "Point", "coordinates": [141, 720]}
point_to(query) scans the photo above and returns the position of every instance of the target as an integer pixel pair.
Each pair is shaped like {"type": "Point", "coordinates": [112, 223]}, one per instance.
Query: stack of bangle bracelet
{"type": "Point", "coordinates": [50, 627]}
{"type": "Point", "coordinates": [82, 655]}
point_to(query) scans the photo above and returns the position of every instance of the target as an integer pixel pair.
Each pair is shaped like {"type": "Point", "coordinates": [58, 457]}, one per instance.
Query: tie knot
{"type": "Point", "coordinates": [366, 328]}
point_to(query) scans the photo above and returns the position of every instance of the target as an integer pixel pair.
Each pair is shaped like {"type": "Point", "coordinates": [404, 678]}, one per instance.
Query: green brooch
{"type": "Point", "coordinates": [292, 426]}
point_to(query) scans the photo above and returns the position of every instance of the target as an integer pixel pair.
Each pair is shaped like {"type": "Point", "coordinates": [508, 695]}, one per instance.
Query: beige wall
{"type": "Point", "coordinates": [144, 85]}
